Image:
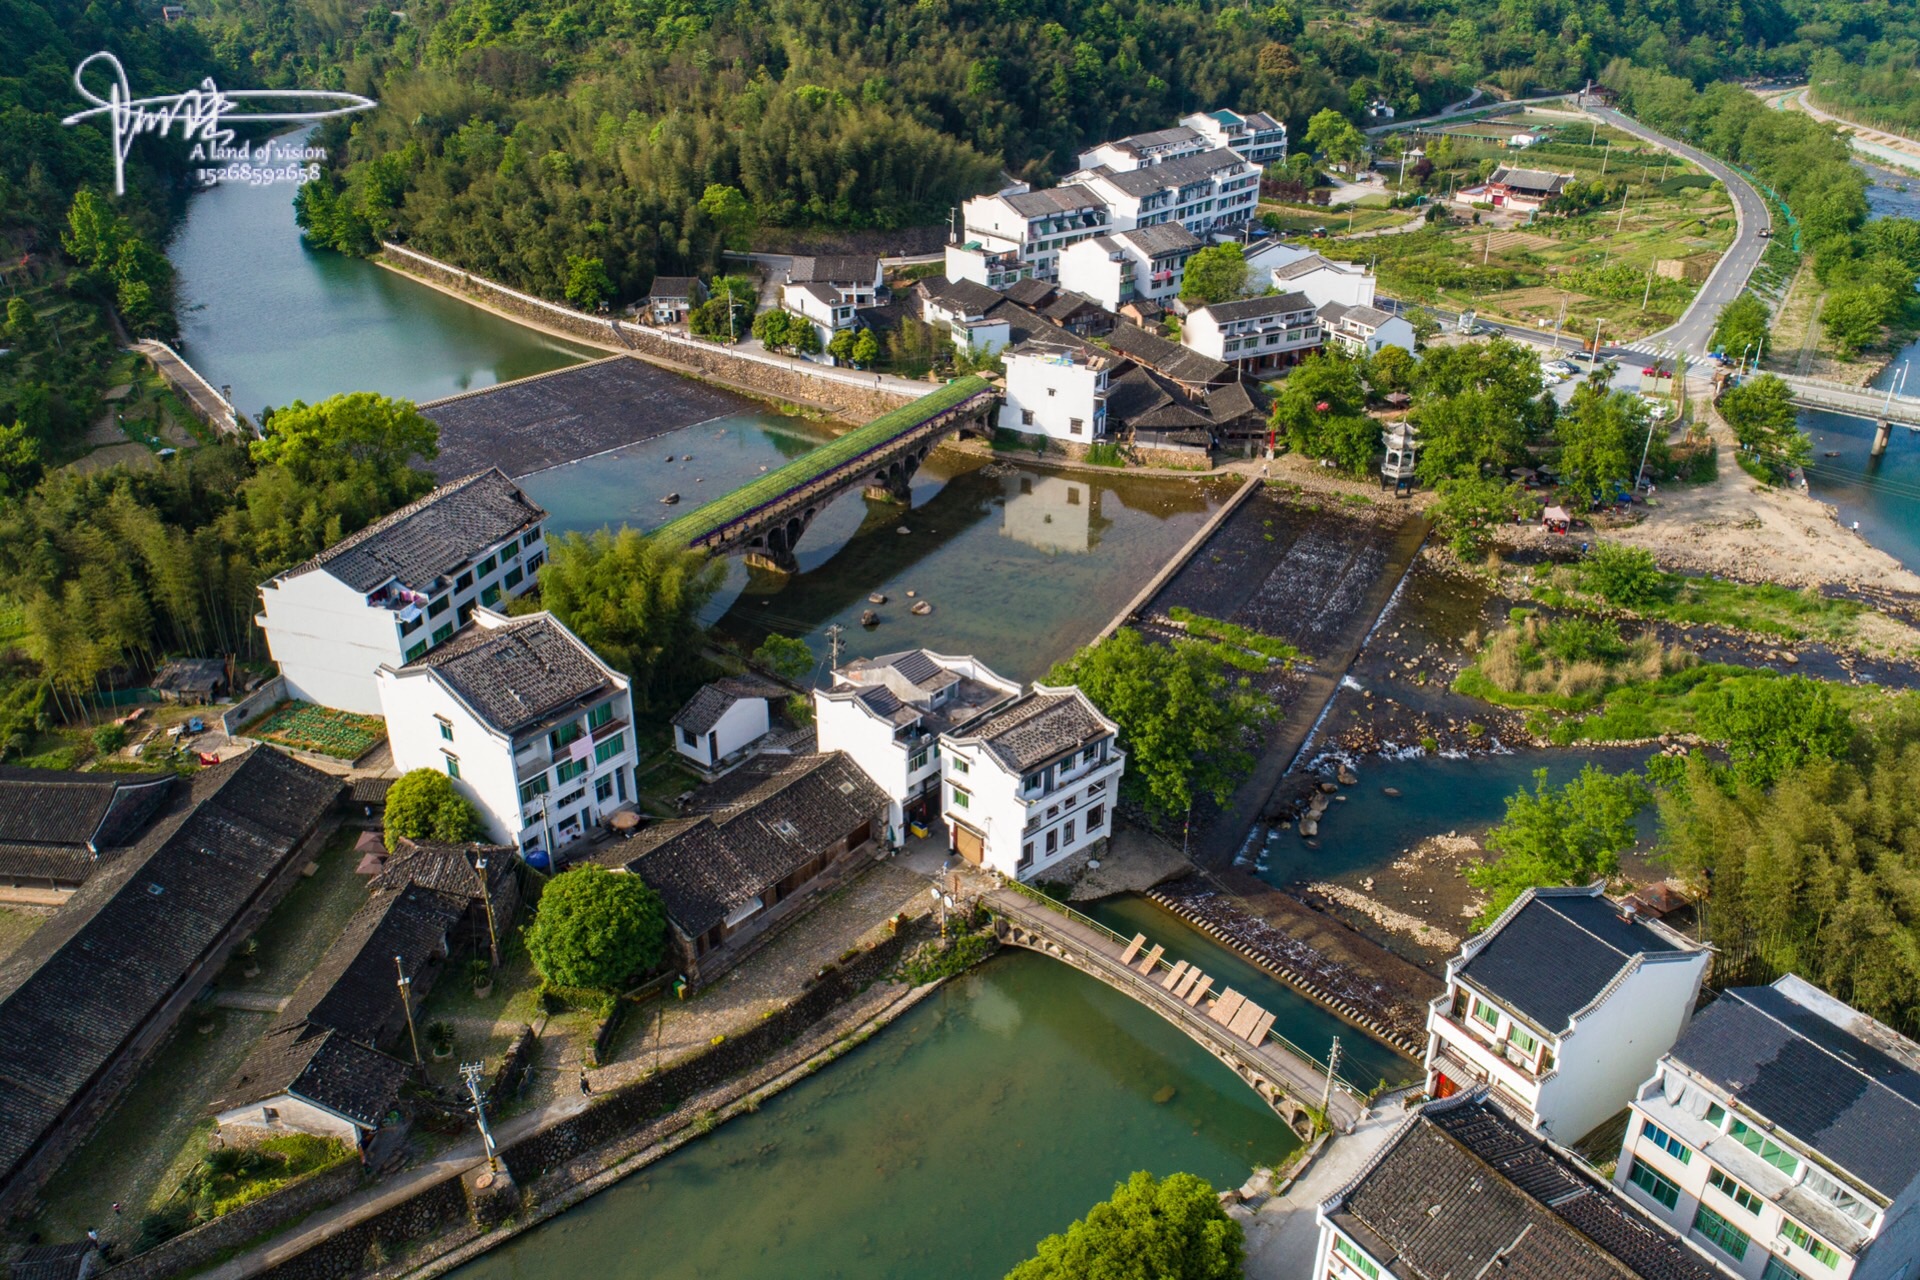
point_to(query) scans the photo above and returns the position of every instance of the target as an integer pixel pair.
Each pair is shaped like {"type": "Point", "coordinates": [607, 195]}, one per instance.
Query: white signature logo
{"type": "Point", "coordinates": [198, 112]}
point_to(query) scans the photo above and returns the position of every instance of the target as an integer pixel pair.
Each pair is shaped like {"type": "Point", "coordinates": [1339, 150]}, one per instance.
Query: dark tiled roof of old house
{"type": "Point", "coordinates": [429, 539]}
{"type": "Point", "coordinates": [704, 708]}
{"type": "Point", "coordinates": [1463, 1190]}
{"type": "Point", "coordinates": [1038, 727]}
{"type": "Point", "coordinates": [759, 825]}
{"type": "Point", "coordinates": [446, 868]}
{"type": "Point", "coordinates": [79, 989]}
{"type": "Point", "coordinates": [1169, 359]}
{"type": "Point", "coordinates": [1029, 292]}
{"type": "Point", "coordinates": [369, 790]}
{"type": "Point", "coordinates": [672, 288]}
{"type": "Point", "coordinates": [1160, 238]}
{"type": "Point", "coordinates": [842, 269]}
{"type": "Point", "coordinates": [1255, 308]}
{"type": "Point", "coordinates": [517, 673]}
{"type": "Point", "coordinates": [329, 1068]}
{"type": "Point", "coordinates": [352, 988]}
{"type": "Point", "coordinates": [967, 296]}
{"type": "Point", "coordinates": [60, 826]}
{"type": "Point", "coordinates": [55, 1262]}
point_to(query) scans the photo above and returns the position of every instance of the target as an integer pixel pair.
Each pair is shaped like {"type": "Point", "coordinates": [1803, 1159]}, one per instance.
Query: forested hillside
{"type": "Point", "coordinates": [516, 134]}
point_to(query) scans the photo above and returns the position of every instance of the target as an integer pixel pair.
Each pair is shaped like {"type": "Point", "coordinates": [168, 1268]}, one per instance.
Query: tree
{"type": "Point", "coordinates": [729, 212]}
{"type": "Point", "coordinates": [1215, 274]}
{"type": "Point", "coordinates": [1554, 836]}
{"type": "Point", "coordinates": [423, 804]}
{"type": "Point", "coordinates": [1601, 437]}
{"type": "Point", "coordinates": [1170, 1228]}
{"type": "Point", "coordinates": [1772, 725]}
{"type": "Point", "coordinates": [594, 929]}
{"type": "Point", "coordinates": [355, 432]}
{"type": "Point", "coordinates": [587, 282]}
{"type": "Point", "coordinates": [22, 324]}
{"type": "Point", "coordinates": [841, 348]}
{"type": "Point", "coordinates": [1185, 722]}
{"type": "Point", "coordinates": [19, 460]}
{"type": "Point", "coordinates": [636, 602]}
{"type": "Point", "coordinates": [866, 349]}
{"type": "Point", "coordinates": [1333, 136]}
{"type": "Point", "coordinates": [1766, 423]}
{"type": "Point", "coordinates": [1854, 315]}
{"type": "Point", "coordinates": [1470, 507]}
{"type": "Point", "coordinates": [1321, 409]}
{"type": "Point", "coordinates": [1623, 575]}
{"type": "Point", "coordinates": [1477, 405]}
{"type": "Point", "coordinates": [788, 657]}
{"type": "Point", "coordinates": [1741, 329]}
{"type": "Point", "coordinates": [774, 329]}
{"type": "Point", "coordinates": [1392, 368]}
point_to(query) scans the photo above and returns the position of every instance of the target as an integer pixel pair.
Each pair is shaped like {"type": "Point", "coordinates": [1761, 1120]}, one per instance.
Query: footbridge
{"type": "Point", "coordinates": [1223, 1022]}
{"type": "Point", "coordinates": [1882, 408]}
{"type": "Point", "coordinates": [765, 518]}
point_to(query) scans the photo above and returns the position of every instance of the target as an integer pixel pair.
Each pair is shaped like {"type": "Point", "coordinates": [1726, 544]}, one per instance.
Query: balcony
{"type": "Point", "coordinates": [534, 759]}
{"type": "Point", "coordinates": [1502, 1063]}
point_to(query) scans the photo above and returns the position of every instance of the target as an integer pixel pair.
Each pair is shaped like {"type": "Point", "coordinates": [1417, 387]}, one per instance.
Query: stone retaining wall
{"type": "Point", "coordinates": [370, 1243]}
{"type": "Point", "coordinates": [192, 1250]}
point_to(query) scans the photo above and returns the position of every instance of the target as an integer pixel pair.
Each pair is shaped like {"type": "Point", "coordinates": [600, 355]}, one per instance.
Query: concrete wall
{"type": "Point", "coordinates": [1615, 1046]}
{"type": "Point", "coordinates": [253, 706]}
{"type": "Point", "coordinates": [329, 641]}
{"type": "Point", "coordinates": [841, 725]}
{"type": "Point", "coordinates": [414, 703]}
{"type": "Point", "coordinates": [1073, 388]}
{"type": "Point", "coordinates": [290, 1115]}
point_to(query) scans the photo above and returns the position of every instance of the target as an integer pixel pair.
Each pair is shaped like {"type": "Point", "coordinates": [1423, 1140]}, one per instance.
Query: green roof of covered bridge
{"type": "Point", "coordinates": [704, 520]}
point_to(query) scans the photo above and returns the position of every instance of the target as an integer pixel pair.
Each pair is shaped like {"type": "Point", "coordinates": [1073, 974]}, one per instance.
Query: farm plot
{"type": "Point", "coordinates": [303, 726]}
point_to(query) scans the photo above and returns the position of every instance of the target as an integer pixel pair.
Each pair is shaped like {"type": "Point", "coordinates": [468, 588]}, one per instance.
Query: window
{"type": "Point", "coordinates": [1715, 1229]}
{"type": "Point", "coordinates": [1485, 1012]}
{"type": "Point", "coordinates": [1822, 1252]}
{"type": "Point", "coordinates": [443, 634]}
{"type": "Point", "coordinates": [1522, 1041]}
{"type": "Point", "coordinates": [1066, 831]}
{"type": "Point", "coordinates": [446, 728]}
{"type": "Point", "coordinates": [529, 538]}
{"type": "Point", "coordinates": [490, 594]}
{"type": "Point", "coordinates": [1026, 854]}
{"type": "Point", "coordinates": [1053, 840]}
{"type": "Point", "coordinates": [599, 715]}
{"type": "Point", "coordinates": [1026, 417]}
{"type": "Point", "coordinates": [961, 766]}
{"type": "Point", "coordinates": [564, 734]}
{"type": "Point", "coordinates": [453, 764]}
{"type": "Point", "coordinates": [1733, 1191]}
{"type": "Point", "coordinates": [1096, 818]}
{"type": "Point", "coordinates": [603, 789]}
{"type": "Point", "coordinates": [487, 566]}
{"type": "Point", "coordinates": [1716, 1114]}
{"type": "Point", "coordinates": [1077, 426]}
{"type": "Point", "coordinates": [1051, 391]}
{"type": "Point", "coordinates": [1838, 1196]}
{"type": "Point", "coordinates": [413, 624]}
{"type": "Point", "coordinates": [1033, 781]}
{"type": "Point", "coordinates": [689, 737]}
{"type": "Point", "coordinates": [569, 770]}
{"type": "Point", "coordinates": [464, 581]}
{"type": "Point", "coordinates": [510, 552]}
{"type": "Point", "coordinates": [917, 761]}
{"type": "Point", "coordinates": [1764, 1147]}
{"type": "Point", "coordinates": [605, 751]}
{"type": "Point", "coordinates": [1778, 1270]}
{"type": "Point", "coordinates": [513, 578]}
{"type": "Point", "coordinates": [417, 652]}
{"type": "Point", "coordinates": [1091, 754]}
{"type": "Point", "coordinates": [572, 797]}
{"type": "Point", "coordinates": [1355, 1259]}
{"type": "Point", "coordinates": [1653, 1184]}
{"type": "Point", "coordinates": [531, 790]}
{"type": "Point", "coordinates": [961, 800]}
{"type": "Point", "coordinates": [1666, 1142]}
{"type": "Point", "coordinates": [438, 607]}
{"type": "Point", "coordinates": [466, 613]}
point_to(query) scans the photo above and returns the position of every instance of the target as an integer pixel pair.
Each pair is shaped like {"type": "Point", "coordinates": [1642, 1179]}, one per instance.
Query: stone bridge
{"type": "Point", "coordinates": [765, 518]}
{"type": "Point", "coordinates": [1224, 1023]}
{"type": "Point", "coordinates": [1883, 408]}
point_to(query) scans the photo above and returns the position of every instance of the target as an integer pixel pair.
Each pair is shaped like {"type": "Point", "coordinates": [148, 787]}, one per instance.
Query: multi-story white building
{"type": "Point", "coordinates": [1030, 226]}
{"type": "Point", "coordinates": [1255, 335]}
{"type": "Point", "coordinates": [887, 714]}
{"type": "Point", "coordinates": [1207, 192]}
{"type": "Point", "coordinates": [1782, 1135]}
{"type": "Point", "coordinates": [1562, 1007]}
{"type": "Point", "coordinates": [993, 268]}
{"type": "Point", "coordinates": [1325, 281]}
{"type": "Point", "coordinates": [1057, 387]}
{"type": "Point", "coordinates": [821, 304]}
{"type": "Point", "coordinates": [1032, 783]}
{"type": "Point", "coordinates": [1146, 262]}
{"type": "Point", "coordinates": [1142, 149]}
{"type": "Point", "coordinates": [1363, 330]}
{"type": "Point", "coordinates": [1461, 1191]}
{"type": "Point", "coordinates": [399, 587]}
{"type": "Point", "coordinates": [530, 724]}
{"type": "Point", "coordinates": [1259, 138]}
{"type": "Point", "coordinates": [856, 278]}
{"type": "Point", "coordinates": [963, 310]}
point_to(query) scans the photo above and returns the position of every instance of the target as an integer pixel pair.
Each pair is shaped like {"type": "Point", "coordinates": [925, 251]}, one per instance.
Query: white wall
{"type": "Point", "coordinates": [410, 703]}
{"type": "Point", "coordinates": [1394, 333]}
{"type": "Point", "coordinates": [995, 808]}
{"type": "Point", "coordinates": [840, 724]}
{"type": "Point", "coordinates": [1089, 268]}
{"type": "Point", "coordinates": [293, 1115]}
{"type": "Point", "coordinates": [1353, 288]}
{"type": "Point", "coordinates": [1055, 394]}
{"type": "Point", "coordinates": [1613, 1047]}
{"type": "Point", "coordinates": [745, 722]}
{"type": "Point", "coordinates": [329, 641]}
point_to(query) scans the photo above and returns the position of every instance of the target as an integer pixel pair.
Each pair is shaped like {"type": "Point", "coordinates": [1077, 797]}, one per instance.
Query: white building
{"type": "Point", "coordinates": [1461, 1191]}
{"type": "Point", "coordinates": [1260, 139]}
{"type": "Point", "coordinates": [399, 587]}
{"type": "Point", "coordinates": [673, 298]}
{"type": "Point", "coordinates": [822, 305]}
{"type": "Point", "coordinates": [1142, 149]}
{"type": "Point", "coordinates": [1146, 262]}
{"type": "Point", "coordinates": [993, 268]}
{"type": "Point", "coordinates": [1030, 226]}
{"type": "Point", "coordinates": [530, 724]}
{"type": "Point", "coordinates": [887, 714]}
{"type": "Point", "coordinates": [1209, 192]}
{"type": "Point", "coordinates": [1325, 281]}
{"type": "Point", "coordinates": [1782, 1135]}
{"type": "Point", "coordinates": [721, 723]}
{"type": "Point", "coordinates": [856, 278]}
{"type": "Point", "coordinates": [1562, 1007]}
{"type": "Point", "coordinates": [1255, 335]}
{"type": "Point", "coordinates": [1033, 783]}
{"type": "Point", "coordinates": [1363, 330]}
{"type": "Point", "coordinates": [1057, 387]}
{"type": "Point", "coordinates": [1266, 254]}
{"type": "Point", "coordinates": [961, 309]}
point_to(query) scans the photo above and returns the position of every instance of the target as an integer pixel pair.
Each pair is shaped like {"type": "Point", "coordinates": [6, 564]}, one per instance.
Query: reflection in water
{"type": "Point", "coordinates": [1051, 513]}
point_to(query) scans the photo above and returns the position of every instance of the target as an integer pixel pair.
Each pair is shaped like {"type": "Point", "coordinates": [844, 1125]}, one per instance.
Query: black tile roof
{"type": "Point", "coordinates": [352, 988]}
{"type": "Point", "coordinates": [1030, 292]}
{"type": "Point", "coordinates": [1253, 308]}
{"type": "Point", "coordinates": [447, 868]}
{"type": "Point", "coordinates": [1170, 359]}
{"type": "Point", "coordinates": [759, 825]}
{"type": "Point", "coordinates": [672, 287]}
{"type": "Point", "coordinates": [1853, 1095]}
{"type": "Point", "coordinates": [1464, 1191]}
{"type": "Point", "coordinates": [369, 790]}
{"type": "Point", "coordinates": [325, 1067]}
{"type": "Point", "coordinates": [968, 296]}
{"type": "Point", "coordinates": [85, 982]}
{"type": "Point", "coordinates": [1556, 952]}
{"type": "Point", "coordinates": [842, 269]}
{"type": "Point", "coordinates": [50, 807]}
{"type": "Point", "coordinates": [427, 540]}
{"type": "Point", "coordinates": [1034, 729]}
{"type": "Point", "coordinates": [54, 1262]}
{"type": "Point", "coordinates": [516, 673]}
{"type": "Point", "coordinates": [1160, 238]}
{"type": "Point", "coordinates": [704, 709]}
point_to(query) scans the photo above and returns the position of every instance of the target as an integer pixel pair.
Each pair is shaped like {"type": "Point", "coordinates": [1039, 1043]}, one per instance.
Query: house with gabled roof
{"type": "Point", "coordinates": [529, 723]}
{"type": "Point", "coordinates": [1781, 1133]}
{"type": "Point", "coordinates": [57, 827]}
{"type": "Point", "coordinates": [725, 720]}
{"type": "Point", "coordinates": [1561, 1007]}
{"type": "Point", "coordinates": [399, 587]}
{"type": "Point", "coordinates": [1032, 783]}
{"type": "Point", "coordinates": [1256, 137]}
{"type": "Point", "coordinates": [1146, 262]}
{"type": "Point", "coordinates": [89, 996]}
{"type": "Point", "coordinates": [1255, 335]}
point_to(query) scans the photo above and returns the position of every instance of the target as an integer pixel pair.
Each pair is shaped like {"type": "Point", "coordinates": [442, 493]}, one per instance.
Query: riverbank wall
{"type": "Point", "coordinates": [857, 397]}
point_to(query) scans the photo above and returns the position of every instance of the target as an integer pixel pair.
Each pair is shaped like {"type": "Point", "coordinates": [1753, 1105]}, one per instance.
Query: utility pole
{"type": "Point", "coordinates": [1596, 339]}
{"type": "Point", "coordinates": [406, 1002]}
{"type": "Point", "coordinates": [1647, 295]}
{"type": "Point", "coordinates": [833, 646]}
{"type": "Point", "coordinates": [486, 896]}
{"type": "Point", "coordinates": [471, 1072]}
{"type": "Point", "coordinates": [1621, 221]}
{"type": "Point", "coordinates": [1606, 156]}
{"type": "Point", "coordinates": [1326, 1098]}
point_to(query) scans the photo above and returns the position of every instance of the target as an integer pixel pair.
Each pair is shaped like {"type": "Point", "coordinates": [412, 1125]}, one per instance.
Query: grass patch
{"type": "Point", "coordinates": [1238, 637]}
{"type": "Point", "coordinates": [303, 924]}
{"type": "Point", "coordinates": [302, 726]}
{"type": "Point", "coordinates": [1764, 608]}
{"type": "Point", "coordinates": [1568, 665]}
{"type": "Point", "coordinates": [1105, 455]}
{"type": "Point", "coordinates": [16, 926]}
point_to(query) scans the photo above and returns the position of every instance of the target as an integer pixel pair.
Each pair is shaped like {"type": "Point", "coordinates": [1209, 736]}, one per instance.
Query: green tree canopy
{"type": "Point", "coordinates": [866, 349]}
{"type": "Point", "coordinates": [788, 657]}
{"type": "Point", "coordinates": [1477, 404]}
{"type": "Point", "coordinates": [1470, 508]}
{"type": "Point", "coordinates": [1185, 720]}
{"type": "Point", "coordinates": [1321, 409]}
{"type": "Point", "coordinates": [1772, 725]}
{"type": "Point", "coordinates": [1559, 835]}
{"type": "Point", "coordinates": [1217, 273]}
{"type": "Point", "coordinates": [594, 929]}
{"type": "Point", "coordinates": [636, 602]}
{"type": "Point", "coordinates": [1741, 330]}
{"type": "Point", "coordinates": [1623, 575]}
{"type": "Point", "coordinates": [588, 284]}
{"type": "Point", "coordinates": [1766, 423]}
{"type": "Point", "coordinates": [1602, 435]}
{"type": "Point", "coordinates": [1170, 1228]}
{"type": "Point", "coordinates": [1333, 136]}
{"type": "Point", "coordinates": [727, 209]}
{"type": "Point", "coordinates": [423, 804]}
{"type": "Point", "coordinates": [355, 433]}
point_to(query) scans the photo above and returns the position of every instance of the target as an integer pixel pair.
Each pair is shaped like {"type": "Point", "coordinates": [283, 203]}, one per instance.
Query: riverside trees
{"type": "Point", "coordinates": [1170, 1228]}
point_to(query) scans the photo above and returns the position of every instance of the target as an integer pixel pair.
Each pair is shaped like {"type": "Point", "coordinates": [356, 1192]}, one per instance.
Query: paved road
{"type": "Point", "coordinates": [1877, 145]}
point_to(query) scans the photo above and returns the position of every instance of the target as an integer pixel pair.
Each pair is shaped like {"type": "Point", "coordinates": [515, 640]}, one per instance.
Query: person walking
{"type": "Point", "coordinates": [586, 1086]}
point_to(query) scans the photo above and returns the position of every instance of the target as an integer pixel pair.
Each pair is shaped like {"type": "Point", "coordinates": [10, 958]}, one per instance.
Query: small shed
{"type": "Point", "coordinates": [192, 681]}
{"type": "Point", "coordinates": [366, 800]}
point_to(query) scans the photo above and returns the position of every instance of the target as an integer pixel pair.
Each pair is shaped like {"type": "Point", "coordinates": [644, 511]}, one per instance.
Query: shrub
{"type": "Point", "coordinates": [1623, 575]}
{"type": "Point", "coordinates": [423, 805]}
{"type": "Point", "coordinates": [109, 738]}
